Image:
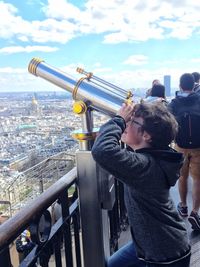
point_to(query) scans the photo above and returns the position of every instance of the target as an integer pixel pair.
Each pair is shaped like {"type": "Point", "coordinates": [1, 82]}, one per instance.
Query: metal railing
{"type": "Point", "coordinates": [60, 240]}
{"type": "Point", "coordinates": [33, 181]}
{"type": "Point", "coordinates": [48, 240]}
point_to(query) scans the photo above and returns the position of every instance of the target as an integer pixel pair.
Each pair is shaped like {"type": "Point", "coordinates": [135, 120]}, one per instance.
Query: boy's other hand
{"type": "Point", "coordinates": [126, 111]}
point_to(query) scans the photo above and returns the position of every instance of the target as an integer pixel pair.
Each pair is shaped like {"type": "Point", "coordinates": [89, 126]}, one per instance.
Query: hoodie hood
{"type": "Point", "coordinates": [169, 160]}
{"type": "Point", "coordinates": [187, 100]}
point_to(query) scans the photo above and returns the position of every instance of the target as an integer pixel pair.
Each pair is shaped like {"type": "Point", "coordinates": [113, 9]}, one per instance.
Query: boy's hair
{"type": "Point", "coordinates": [159, 123]}
{"type": "Point", "coordinates": [158, 90]}
{"type": "Point", "coordinates": [196, 76]}
{"type": "Point", "coordinates": [187, 82]}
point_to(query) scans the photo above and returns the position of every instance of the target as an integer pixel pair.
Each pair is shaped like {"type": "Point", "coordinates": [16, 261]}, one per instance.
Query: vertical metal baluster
{"type": "Point", "coordinates": [77, 239]}
{"type": "Point", "coordinates": [5, 258]}
{"type": "Point", "coordinates": [57, 249]}
{"type": "Point", "coordinates": [66, 229]}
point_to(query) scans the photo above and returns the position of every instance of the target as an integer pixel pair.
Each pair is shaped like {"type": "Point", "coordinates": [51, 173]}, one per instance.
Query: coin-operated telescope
{"type": "Point", "coordinates": [96, 187]}
{"type": "Point", "coordinates": [89, 92]}
{"type": "Point", "coordinates": [95, 92]}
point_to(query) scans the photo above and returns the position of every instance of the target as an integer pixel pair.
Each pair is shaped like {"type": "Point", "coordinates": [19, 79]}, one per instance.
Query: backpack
{"type": "Point", "coordinates": [196, 87]}
{"type": "Point", "coordinates": [189, 129]}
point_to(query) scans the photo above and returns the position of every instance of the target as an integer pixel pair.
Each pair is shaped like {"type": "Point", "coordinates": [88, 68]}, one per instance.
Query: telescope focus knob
{"type": "Point", "coordinates": [79, 107]}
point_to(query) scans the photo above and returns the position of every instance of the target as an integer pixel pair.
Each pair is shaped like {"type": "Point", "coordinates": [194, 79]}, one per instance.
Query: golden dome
{"type": "Point", "coordinates": [34, 101]}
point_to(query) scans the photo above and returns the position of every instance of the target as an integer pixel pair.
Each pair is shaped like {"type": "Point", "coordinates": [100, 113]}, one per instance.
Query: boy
{"type": "Point", "coordinates": [148, 170]}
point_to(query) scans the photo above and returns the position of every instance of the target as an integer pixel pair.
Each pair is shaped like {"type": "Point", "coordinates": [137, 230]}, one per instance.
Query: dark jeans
{"type": "Point", "coordinates": [126, 257]}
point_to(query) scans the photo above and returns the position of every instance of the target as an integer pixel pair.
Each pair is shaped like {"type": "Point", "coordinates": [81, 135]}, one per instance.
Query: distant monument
{"type": "Point", "coordinates": [167, 84]}
{"type": "Point", "coordinates": [34, 106]}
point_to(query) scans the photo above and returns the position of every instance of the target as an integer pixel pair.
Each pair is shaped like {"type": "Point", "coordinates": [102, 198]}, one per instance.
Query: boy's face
{"type": "Point", "coordinates": [133, 134]}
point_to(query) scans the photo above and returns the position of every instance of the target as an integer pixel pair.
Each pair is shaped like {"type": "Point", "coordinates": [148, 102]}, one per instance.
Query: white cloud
{"type": "Point", "coordinates": [195, 60]}
{"type": "Point", "coordinates": [23, 38]}
{"type": "Point", "coordinates": [97, 64]}
{"type": "Point", "coordinates": [136, 60]}
{"type": "Point", "coordinates": [9, 70]}
{"type": "Point", "coordinates": [119, 21]}
{"type": "Point", "coordinates": [126, 79]}
{"type": "Point", "coordinates": [99, 71]}
{"type": "Point", "coordinates": [61, 9]}
{"type": "Point", "coordinates": [142, 78]}
{"type": "Point", "coordinates": [13, 26]}
{"type": "Point", "coordinates": [26, 49]}
{"type": "Point", "coordinates": [18, 79]}
{"type": "Point", "coordinates": [7, 10]}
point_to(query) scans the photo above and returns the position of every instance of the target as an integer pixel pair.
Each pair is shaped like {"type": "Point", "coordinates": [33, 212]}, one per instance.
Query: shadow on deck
{"type": "Point", "coordinates": [194, 236]}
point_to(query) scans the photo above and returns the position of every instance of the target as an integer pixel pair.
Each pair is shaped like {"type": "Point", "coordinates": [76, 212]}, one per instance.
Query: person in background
{"type": "Point", "coordinates": [196, 76]}
{"type": "Point", "coordinates": [157, 94]}
{"type": "Point", "coordinates": [186, 108]}
{"type": "Point", "coordinates": [148, 169]}
{"type": "Point", "coordinates": [148, 92]}
{"type": "Point", "coordinates": [24, 245]}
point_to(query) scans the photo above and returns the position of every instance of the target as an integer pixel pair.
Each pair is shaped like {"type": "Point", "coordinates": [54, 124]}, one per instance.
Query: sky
{"type": "Point", "coordinates": [128, 43]}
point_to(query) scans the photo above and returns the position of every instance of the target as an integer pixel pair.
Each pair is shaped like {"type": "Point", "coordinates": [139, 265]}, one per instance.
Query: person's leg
{"type": "Point", "coordinates": [195, 173]}
{"type": "Point", "coordinates": [125, 257]}
{"type": "Point", "coordinates": [196, 194]}
{"type": "Point", "coordinates": [183, 186]}
{"type": "Point", "coordinates": [194, 218]}
{"type": "Point", "coordinates": [183, 189]}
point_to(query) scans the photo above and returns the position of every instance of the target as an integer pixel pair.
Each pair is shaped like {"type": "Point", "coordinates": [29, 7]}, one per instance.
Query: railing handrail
{"type": "Point", "coordinates": [11, 228]}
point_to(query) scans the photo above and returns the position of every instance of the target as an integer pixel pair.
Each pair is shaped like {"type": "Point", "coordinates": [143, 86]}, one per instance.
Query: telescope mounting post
{"type": "Point", "coordinates": [94, 220]}
{"type": "Point", "coordinates": [87, 134]}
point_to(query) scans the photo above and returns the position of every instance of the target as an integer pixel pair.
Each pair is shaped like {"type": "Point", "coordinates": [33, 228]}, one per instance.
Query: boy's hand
{"type": "Point", "coordinates": [126, 111]}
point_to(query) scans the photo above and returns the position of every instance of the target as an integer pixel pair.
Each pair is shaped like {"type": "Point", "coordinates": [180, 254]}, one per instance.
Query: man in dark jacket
{"type": "Point", "coordinates": [186, 109]}
{"type": "Point", "coordinates": [147, 171]}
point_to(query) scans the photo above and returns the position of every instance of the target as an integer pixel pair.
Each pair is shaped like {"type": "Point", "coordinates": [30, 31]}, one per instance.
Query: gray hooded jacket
{"type": "Point", "coordinates": [158, 231]}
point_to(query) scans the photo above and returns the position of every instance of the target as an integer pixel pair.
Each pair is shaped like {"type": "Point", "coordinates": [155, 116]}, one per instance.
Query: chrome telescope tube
{"type": "Point", "coordinates": [107, 100]}
{"type": "Point", "coordinates": [110, 86]}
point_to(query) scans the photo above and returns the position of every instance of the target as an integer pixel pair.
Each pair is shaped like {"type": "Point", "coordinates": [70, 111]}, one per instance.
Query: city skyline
{"type": "Point", "coordinates": [124, 42]}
